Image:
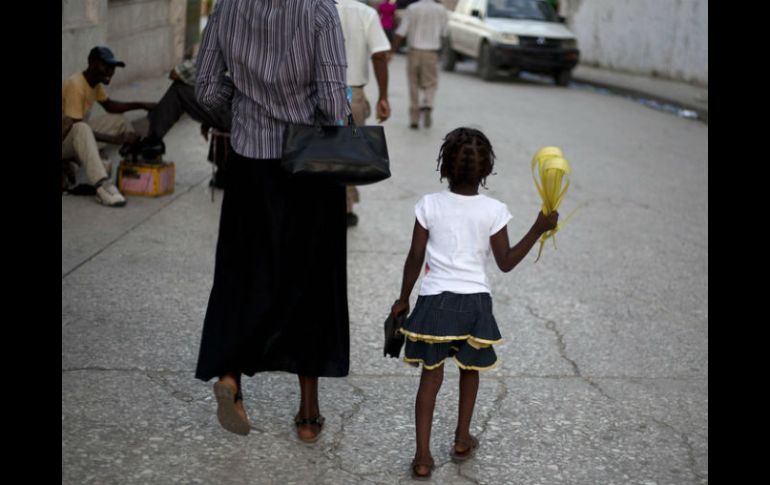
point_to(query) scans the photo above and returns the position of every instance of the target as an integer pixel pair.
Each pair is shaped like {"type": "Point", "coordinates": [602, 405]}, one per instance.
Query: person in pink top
{"type": "Point", "coordinates": [387, 11]}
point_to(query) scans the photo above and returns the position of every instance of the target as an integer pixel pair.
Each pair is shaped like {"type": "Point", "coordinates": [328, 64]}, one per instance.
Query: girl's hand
{"type": "Point", "coordinates": [399, 307]}
{"type": "Point", "coordinates": [545, 223]}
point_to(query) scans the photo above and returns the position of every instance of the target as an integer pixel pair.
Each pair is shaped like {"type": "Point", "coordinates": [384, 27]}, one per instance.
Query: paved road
{"type": "Point", "coordinates": [603, 375]}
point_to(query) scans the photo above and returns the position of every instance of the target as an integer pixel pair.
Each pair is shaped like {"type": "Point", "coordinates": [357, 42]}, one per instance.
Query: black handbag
{"type": "Point", "coordinates": [349, 155]}
{"type": "Point", "coordinates": [394, 339]}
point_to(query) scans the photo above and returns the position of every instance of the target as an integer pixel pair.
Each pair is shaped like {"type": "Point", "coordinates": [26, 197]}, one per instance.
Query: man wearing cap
{"type": "Point", "coordinates": [80, 134]}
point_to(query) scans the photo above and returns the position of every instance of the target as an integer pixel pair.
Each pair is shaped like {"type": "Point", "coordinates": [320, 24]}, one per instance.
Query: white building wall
{"type": "Point", "coordinates": [665, 38]}
{"type": "Point", "coordinates": [83, 27]}
{"type": "Point", "coordinates": [148, 35]}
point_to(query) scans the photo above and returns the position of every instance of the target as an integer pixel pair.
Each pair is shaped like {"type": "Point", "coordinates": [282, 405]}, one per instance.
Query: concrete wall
{"type": "Point", "coordinates": [664, 38]}
{"type": "Point", "coordinates": [148, 35]}
{"type": "Point", "coordinates": [83, 26]}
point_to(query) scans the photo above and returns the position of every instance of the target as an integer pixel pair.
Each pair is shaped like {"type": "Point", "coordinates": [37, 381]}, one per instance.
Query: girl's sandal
{"type": "Point", "coordinates": [227, 412]}
{"type": "Point", "coordinates": [470, 444]}
{"type": "Point", "coordinates": [418, 476]}
{"type": "Point", "coordinates": [318, 421]}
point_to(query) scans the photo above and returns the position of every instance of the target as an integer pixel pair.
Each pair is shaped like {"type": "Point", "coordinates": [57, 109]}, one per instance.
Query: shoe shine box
{"type": "Point", "coordinates": [146, 179]}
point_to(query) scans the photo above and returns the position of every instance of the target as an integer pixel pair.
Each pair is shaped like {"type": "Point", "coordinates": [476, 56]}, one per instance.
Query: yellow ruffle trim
{"type": "Point", "coordinates": [473, 367]}
{"type": "Point", "coordinates": [475, 342]}
{"type": "Point", "coordinates": [420, 361]}
{"type": "Point", "coordinates": [459, 364]}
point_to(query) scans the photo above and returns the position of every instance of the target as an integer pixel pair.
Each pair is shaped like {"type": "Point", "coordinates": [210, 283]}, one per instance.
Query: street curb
{"type": "Point", "coordinates": [703, 114]}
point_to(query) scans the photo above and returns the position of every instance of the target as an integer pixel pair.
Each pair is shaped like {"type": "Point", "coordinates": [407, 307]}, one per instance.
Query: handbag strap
{"type": "Point", "coordinates": [317, 116]}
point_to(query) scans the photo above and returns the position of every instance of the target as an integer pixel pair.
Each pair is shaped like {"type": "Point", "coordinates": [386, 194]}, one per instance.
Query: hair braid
{"type": "Point", "coordinates": [465, 157]}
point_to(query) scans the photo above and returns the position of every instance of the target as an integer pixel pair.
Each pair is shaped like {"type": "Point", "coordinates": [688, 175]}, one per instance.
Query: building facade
{"type": "Point", "coordinates": [662, 38]}
{"type": "Point", "coordinates": [150, 36]}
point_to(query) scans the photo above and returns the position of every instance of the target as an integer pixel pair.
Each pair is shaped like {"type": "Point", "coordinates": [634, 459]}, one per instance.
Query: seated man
{"type": "Point", "coordinates": [178, 99]}
{"type": "Point", "coordinates": [80, 134]}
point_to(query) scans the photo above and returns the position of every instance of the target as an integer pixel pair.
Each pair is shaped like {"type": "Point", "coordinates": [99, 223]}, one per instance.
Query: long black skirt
{"type": "Point", "coordinates": [279, 300]}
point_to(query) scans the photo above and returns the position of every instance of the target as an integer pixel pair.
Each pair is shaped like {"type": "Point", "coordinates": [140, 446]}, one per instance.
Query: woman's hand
{"type": "Point", "coordinates": [399, 307]}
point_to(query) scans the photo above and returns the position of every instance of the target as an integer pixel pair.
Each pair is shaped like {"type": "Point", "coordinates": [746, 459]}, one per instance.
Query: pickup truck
{"type": "Point", "coordinates": [514, 35]}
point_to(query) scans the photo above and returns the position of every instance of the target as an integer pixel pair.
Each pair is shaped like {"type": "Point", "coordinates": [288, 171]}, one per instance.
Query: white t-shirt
{"type": "Point", "coordinates": [424, 24]}
{"type": "Point", "coordinates": [364, 36]}
{"type": "Point", "coordinates": [459, 229]}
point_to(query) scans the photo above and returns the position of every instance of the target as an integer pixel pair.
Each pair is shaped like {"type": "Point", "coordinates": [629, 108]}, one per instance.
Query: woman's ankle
{"type": "Point", "coordinates": [230, 380]}
{"type": "Point", "coordinates": [311, 413]}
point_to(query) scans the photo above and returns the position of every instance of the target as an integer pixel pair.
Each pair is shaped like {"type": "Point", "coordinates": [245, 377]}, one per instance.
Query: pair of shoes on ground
{"type": "Point", "coordinates": [109, 195]}
{"type": "Point", "coordinates": [235, 422]}
{"type": "Point", "coordinates": [468, 446]}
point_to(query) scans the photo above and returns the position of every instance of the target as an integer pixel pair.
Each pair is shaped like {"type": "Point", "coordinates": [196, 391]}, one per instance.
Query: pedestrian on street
{"type": "Point", "coordinates": [387, 11]}
{"type": "Point", "coordinates": [423, 26]}
{"type": "Point", "coordinates": [454, 232]}
{"type": "Point", "coordinates": [364, 39]}
{"type": "Point", "coordinates": [178, 99]}
{"type": "Point", "coordinates": [279, 298]}
{"type": "Point", "coordinates": [80, 134]}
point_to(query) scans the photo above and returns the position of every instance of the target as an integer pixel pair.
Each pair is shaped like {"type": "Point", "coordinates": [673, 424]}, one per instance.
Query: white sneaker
{"type": "Point", "coordinates": [107, 194]}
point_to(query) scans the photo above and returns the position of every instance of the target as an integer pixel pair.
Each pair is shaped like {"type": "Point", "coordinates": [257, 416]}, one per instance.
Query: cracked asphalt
{"type": "Point", "coordinates": [603, 371]}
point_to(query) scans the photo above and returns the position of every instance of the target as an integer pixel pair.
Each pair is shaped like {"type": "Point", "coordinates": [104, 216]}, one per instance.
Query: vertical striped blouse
{"type": "Point", "coordinates": [275, 61]}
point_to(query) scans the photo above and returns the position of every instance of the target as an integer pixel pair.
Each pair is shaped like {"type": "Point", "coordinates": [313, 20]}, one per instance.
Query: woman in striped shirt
{"type": "Point", "coordinates": [279, 299]}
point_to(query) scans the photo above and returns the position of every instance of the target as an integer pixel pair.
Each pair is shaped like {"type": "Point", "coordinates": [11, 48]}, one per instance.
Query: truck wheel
{"type": "Point", "coordinates": [487, 71]}
{"type": "Point", "coordinates": [448, 56]}
{"type": "Point", "coordinates": [561, 78]}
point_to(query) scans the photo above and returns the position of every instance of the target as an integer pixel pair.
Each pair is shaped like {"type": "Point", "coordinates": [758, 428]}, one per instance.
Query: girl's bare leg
{"type": "Point", "coordinates": [430, 383]}
{"type": "Point", "coordinates": [469, 387]}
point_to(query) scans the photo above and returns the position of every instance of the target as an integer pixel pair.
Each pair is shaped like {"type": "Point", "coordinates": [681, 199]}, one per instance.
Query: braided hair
{"type": "Point", "coordinates": [466, 157]}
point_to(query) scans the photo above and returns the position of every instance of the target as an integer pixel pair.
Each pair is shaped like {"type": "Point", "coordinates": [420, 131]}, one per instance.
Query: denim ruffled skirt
{"type": "Point", "coordinates": [460, 326]}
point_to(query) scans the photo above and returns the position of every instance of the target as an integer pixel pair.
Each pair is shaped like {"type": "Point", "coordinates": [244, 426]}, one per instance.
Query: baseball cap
{"type": "Point", "coordinates": [105, 55]}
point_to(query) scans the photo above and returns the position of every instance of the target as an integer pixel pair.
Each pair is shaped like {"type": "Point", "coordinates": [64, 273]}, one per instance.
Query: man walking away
{"type": "Point", "coordinates": [364, 38]}
{"type": "Point", "coordinates": [423, 25]}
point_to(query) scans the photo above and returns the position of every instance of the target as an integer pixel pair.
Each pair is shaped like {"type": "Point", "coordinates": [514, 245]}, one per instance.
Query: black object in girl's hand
{"type": "Point", "coordinates": [394, 339]}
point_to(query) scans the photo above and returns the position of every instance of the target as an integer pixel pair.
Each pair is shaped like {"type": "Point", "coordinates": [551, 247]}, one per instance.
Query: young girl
{"type": "Point", "coordinates": [455, 229]}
